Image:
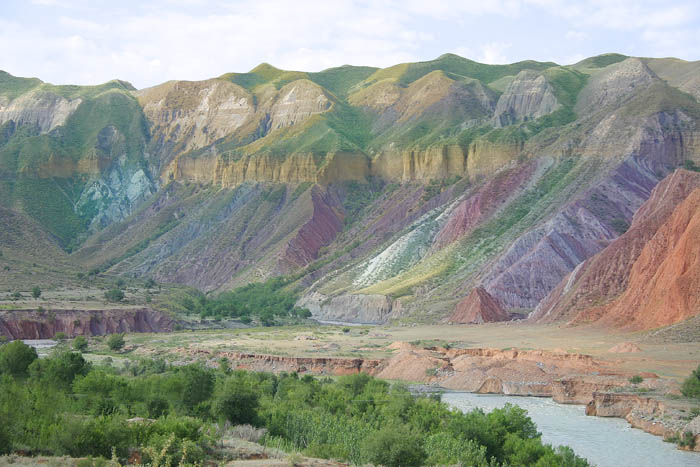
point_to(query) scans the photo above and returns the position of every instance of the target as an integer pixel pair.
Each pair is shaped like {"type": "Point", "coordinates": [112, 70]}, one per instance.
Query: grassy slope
{"type": "Point", "coordinates": [51, 201]}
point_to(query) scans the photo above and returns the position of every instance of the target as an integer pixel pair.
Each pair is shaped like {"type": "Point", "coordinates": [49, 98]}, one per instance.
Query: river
{"type": "Point", "coordinates": [605, 442]}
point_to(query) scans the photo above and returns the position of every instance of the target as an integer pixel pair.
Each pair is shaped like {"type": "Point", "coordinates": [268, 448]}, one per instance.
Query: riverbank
{"type": "Point", "coordinates": [653, 404]}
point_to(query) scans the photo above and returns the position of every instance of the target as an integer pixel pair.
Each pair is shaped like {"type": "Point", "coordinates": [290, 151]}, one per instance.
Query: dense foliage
{"type": "Point", "coordinates": [265, 301]}
{"type": "Point", "coordinates": [62, 405]}
{"type": "Point", "coordinates": [691, 385]}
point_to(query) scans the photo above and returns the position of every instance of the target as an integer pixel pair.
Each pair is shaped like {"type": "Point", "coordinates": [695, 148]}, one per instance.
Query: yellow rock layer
{"type": "Point", "coordinates": [295, 168]}
{"type": "Point", "coordinates": [399, 166]}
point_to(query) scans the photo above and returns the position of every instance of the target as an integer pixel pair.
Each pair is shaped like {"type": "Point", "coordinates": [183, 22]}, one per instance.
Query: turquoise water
{"type": "Point", "coordinates": [605, 442]}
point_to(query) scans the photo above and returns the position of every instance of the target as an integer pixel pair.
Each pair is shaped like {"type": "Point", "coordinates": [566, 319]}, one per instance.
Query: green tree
{"type": "Point", "coordinates": [16, 357]}
{"type": "Point", "coordinates": [80, 344]}
{"type": "Point", "coordinates": [60, 369]}
{"type": "Point", "coordinates": [116, 342]}
{"type": "Point", "coordinates": [395, 446]}
{"type": "Point", "coordinates": [691, 385]}
{"type": "Point", "coordinates": [197, 388]}
{"type": "Point", "coordinates": [114, 295]}
{"type": "Point", "coordinates": [36, 292]}
{"type": "Point", "coordinates": [237, 401]}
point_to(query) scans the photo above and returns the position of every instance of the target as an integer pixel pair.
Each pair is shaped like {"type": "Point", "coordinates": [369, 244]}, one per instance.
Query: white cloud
{"type": "Point", "coordinates": [494, 53]}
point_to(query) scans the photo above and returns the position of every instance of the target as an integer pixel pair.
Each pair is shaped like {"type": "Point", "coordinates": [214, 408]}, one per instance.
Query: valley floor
{"type": "Point", "coordinates": [667, 359]}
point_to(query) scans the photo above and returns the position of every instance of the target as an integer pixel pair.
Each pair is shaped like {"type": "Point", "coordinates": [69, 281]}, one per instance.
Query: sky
{"type": "Point", "coordinates": [149, 42]}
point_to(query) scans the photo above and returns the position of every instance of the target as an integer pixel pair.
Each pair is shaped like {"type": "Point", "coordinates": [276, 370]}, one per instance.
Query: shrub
{"type": "Point", "coordinates": [59, 336]}
{"type": "Point", "coordinates": [80, 344]}
{"type": "Point", "coordinates": [636, 379]}
{"type": "Point", "coordinates": [236, 401]}
{"type": "Point", "coordinates": [114, 295]}
{"type": "Point", "coordinates": [36, 292]}
{"type": "Point", "coordinates": [115, 342]}
{"type": "Point", "coordinates": [16, 357]}
{"type": "Point", "coordinates": [395, 446]}
{"type": "Point", "coordinates": [60, 369]}
{"type": "Point", "coordinates": [691, 385]}
{"type": "Point", "coordinates": [157, 407]}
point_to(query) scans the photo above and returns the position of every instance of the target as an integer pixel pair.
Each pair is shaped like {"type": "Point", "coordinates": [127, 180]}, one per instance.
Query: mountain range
{"type": "Point", "coordinates": [419, 192]}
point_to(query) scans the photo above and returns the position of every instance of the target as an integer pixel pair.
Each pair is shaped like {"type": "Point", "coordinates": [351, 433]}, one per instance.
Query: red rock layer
{"type": "Point", "coordinates": [325, 223]}
{"type": "Point", "coordinates": [26, 324]}
{"type": "Point", "coordinates": [664, 284]}
{"type": "Point", "coordinates": [581, 295]}
{"type": "Point", "coordinates": [477, 207]}
{"type": "Point", "coordinates": [478, 307]}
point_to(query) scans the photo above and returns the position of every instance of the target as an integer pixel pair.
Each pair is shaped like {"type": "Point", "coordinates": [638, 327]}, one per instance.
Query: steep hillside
{"type": "Point", "coordinates": [73, 158]}
{"type": "Point", "coordinates": [379, 193]}
{"type": "Point", "coordinates": [647, 277]}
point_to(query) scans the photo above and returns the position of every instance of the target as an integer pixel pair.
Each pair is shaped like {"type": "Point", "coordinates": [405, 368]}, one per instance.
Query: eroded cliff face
{"type": "Point", "coordinates": [43, 109]}
{"type": "Point", "coordinates": [187, 115]}
{"type": "Point", "coordinates": [350, 308]}
{"type": "Point", "coordinates": [527, 97]}
{"type": "Point", "coordinates": [190, 115]}
{"type": "Point", "coordinates": [613, 85]}
{"type": "Point", "coordinates": [295, 168]}
{"type": "Point", "coordinates": [422, 165]}
{"type": "Point", "coordinates": [30, 324]}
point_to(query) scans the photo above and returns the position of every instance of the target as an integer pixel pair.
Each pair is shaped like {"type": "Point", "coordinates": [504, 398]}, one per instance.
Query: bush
{"type": "Point", "coordinates": [636, 379]}
{"type": "Point", "coordinates": [36, 292]}
{"type": "Point", "coordinates": [237, 401]}
{"type": "Point", "coordinates": [59, 336]}
{"type": "Point", "coordinates": [691, 385]}
{"type": "Point", "coordinates": [80, 344]}
{"type": "Point", "coordinates": [115, 342]}
{"type": "Point", "coordinates": [395, 446]}
{"type": "Point", "coordinates": [114, 295]}
{"type": "Point", "coordinates": [16, 357]}
{"type": "Point", "coordinates": [60, 369]}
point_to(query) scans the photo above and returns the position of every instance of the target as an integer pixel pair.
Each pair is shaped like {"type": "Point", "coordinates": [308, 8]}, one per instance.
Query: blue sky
{"type": "Point", "coordinates": [149, 42]}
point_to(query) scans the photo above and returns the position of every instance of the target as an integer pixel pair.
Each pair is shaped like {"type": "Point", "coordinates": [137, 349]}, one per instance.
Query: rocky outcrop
{"type": "Point", "coordinates": [43, 109]}
{"type": "Point", "coordinates": [527, 97]}
{"type": "Point", "coordinates": [351, 308]}
{"type": "Point", "coordinates": [607, 275]}
{"type": "Point", "coordinates": [190, 115]}
{"type": "Point", "coordinates": [477, 308]}
{"type": "Point", "coordinates": [660, 418]}
{"type": "Point", "coordinates": [31, 324]}
{"type": "Point", "coordinates": [296, 102]}
{"type": "Point", "coordinates": [187, 115]}
{"type": "Point", "coordinates": [613, 85]}
{"type": "Point", "coordinates": [436, 162]}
